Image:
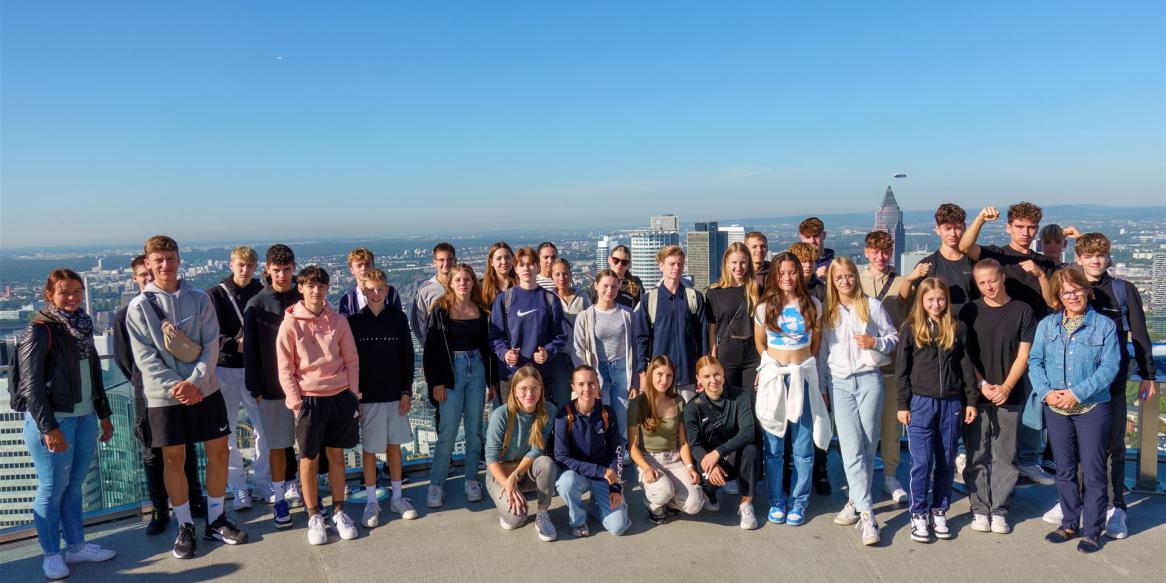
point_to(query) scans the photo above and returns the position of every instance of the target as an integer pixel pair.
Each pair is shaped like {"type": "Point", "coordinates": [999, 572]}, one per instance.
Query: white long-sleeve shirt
{"type": "Point", "coordinates": [843, 356]}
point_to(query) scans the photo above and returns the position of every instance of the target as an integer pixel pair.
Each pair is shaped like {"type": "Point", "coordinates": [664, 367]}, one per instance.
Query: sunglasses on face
{"type": "Point", "coordinates": [621, 262]}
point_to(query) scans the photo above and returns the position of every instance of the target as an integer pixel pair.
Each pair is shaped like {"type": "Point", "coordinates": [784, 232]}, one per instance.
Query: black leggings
{"type": "Point", "coordinates": [743, 464]}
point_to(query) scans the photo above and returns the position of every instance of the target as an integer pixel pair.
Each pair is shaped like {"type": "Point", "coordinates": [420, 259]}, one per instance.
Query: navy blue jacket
{"type": "Point", "coordinates": [349, 305]}
{"type": "Point", "coordinates": [535, 318]}
{"type": "Point", "coordinates": [589, 448]}
{"type": "Point", "coordinates": [678, 334]}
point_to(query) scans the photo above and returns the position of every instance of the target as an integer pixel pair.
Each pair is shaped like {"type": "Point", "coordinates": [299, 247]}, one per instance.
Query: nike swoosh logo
{"type": "Point", "coordinates": [522, 313]}
{"type": "Point", "coordinates": [224, 428]}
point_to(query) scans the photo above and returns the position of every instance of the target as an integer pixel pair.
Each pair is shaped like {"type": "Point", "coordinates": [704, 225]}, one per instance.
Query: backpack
{"type": "Point", "coordinates": [1119, 294]}
{"type": "Point", "coordinates": [14, 371]}
{"type": "Point", "coordinates": [651, 295]}
{"type": "Point", "coordinates": [602, 413]}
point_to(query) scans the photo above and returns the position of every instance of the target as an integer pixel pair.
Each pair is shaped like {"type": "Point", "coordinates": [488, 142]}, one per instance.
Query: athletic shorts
{"type": "Point", "coordinates": [382, 424]}
{"type": "Point", "coordinates": [279, 423]}
{"type": "Point", "coordinates": [327, 422]}
{"type": "Point", "coordinates": [183, 424]}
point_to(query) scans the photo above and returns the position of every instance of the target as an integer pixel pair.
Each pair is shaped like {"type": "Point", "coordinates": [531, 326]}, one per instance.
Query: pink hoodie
{"type": "Point", "coordinates": [317, 355]}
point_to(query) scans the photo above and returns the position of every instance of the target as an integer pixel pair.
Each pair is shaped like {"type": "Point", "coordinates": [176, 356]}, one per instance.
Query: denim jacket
{"type": "Point", "coordinates": [1085, 363]}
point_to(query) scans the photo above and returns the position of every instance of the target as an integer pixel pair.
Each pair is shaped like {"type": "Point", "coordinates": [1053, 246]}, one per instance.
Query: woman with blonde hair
{"type": "Point", "coordinates": [516, 442]}
{"type": "Point", "coordinates": [730, 303]}
{"type": "Point", "coordinates": [857, 340]}
{"type": "Point", "coordinates": [659, 446]}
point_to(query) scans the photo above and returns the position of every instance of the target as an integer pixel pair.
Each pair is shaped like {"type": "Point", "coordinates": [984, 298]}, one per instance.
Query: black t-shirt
{"type": "Point", "coordinates": [733, 318]}
{"type": "Point", "coordinates": [994, 337]}
{"type": "Point", "coordinates": [958, 277]}
{"type": "Point", "coordinates": [466, 335]}
{"type": "Point", "coordinates": [1020, 284]}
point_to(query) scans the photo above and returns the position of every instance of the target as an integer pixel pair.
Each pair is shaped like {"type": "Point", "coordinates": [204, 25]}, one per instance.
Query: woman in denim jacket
{"type": "Point", "coordinates": [1073, 361]}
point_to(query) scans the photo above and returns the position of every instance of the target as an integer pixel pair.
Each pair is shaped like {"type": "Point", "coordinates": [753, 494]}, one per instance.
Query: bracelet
{"type": "Point", "coordinates": [690, 466]}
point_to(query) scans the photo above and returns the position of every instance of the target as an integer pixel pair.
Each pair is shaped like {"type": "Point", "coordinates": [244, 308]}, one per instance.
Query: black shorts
{"type": "Point", "coordinates": [183, 424]}
{"type": "Point", "coordinates": [327, 422]}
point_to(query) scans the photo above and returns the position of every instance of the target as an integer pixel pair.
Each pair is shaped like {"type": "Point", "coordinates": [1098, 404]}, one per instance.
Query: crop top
{"type": "Point", "coordinates": [793, 335]}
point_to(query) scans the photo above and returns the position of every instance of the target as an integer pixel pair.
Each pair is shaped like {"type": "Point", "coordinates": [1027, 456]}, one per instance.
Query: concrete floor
{"type": "Point", "coordinates": [461, 543]}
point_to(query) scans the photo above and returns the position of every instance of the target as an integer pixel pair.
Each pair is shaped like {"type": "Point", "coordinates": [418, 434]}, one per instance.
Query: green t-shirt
{"type": "Point", "coordinates": [85, 407]}
{"type": "Point", "coordinates": [666, 436]}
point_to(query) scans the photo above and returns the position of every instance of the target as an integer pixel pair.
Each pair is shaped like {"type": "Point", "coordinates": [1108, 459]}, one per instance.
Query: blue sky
{"type": "Point", "coordinates": [211, 119]}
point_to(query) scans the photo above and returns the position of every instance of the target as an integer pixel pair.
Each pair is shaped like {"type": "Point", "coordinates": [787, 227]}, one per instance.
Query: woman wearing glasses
{"type": "Point", "coordinates": [1074, 359]}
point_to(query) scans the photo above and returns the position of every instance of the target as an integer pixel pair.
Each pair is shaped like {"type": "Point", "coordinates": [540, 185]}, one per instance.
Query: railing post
{"type": "Point", "coordinates": [1146, 481]}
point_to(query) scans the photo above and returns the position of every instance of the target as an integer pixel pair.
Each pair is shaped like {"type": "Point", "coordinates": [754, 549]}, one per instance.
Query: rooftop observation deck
{"type": "Point", "coordinates": [465, 543]}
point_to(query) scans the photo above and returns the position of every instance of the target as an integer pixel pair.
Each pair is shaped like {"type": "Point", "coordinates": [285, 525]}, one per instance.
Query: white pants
{"type": "Point", "coordinates": [231, 383]}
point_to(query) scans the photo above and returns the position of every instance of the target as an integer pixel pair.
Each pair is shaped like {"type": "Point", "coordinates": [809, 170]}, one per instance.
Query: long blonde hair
{"type": "Point", "coordinates": [920, 321]}
{"type": "Point", "coordinates": [834, 297]}
{"type": "Point", "coordinates": [513, 407]}
{"type": "Point", "coordinates": [752, 296]}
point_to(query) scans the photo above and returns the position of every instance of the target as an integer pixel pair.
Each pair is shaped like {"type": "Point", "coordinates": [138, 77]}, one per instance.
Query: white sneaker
{"type": "Point", "coordinates": [344, 525]}
{"type": "Point", "coordinates": [1038, 475]}
{"type": "Point", "coordinates": [961, 464]}
{"type": "Point", "coordinates": [506, 525]}
{"type": "Point", "coordinates": [372, 515]}
{"type": "Point", "coordinates": [435, 497]}
{"type": "Point", "coordinates": [1000, 525]}
{"type": "Point", "coordinates": [242, 500]}
{"type": "Point", "coordinates": [939, 524]}
{"type": "Point", "coordinates": [895, 489]}
{"type": "Point", "coordinates": [265, 492]}
{"type": "Point", "coordinates": [870, 529]}
{"type": "Point", "coordinates": [1115, 524]}
{"type": "Point", "coordinates": [847, 516]}
{"type": "Point", "coordinates": [711, 504]}
{"type": "Point", "coordinates": [403, 507]}
{"type": "Point", "coordinates": [981, 523]}
{"type": "Point", "coordinates": [291, 495]}
{"type": "Point", "coordinates": [731, 488]}
{"type": "Point", "coordinates": [473, 491]}
{"type": "Point", "coordinates": [54, 567]}
{"type": "Point", "coordinates": [748, 517]}
{"type": "Point", "coordinates": [89, 553]}
{"type": "Point", "coordinates": [317, 532]}
{"type": "Point", "coordinates": [544, 527]}
{"type": "Point", "coordinates": [1054, 515]}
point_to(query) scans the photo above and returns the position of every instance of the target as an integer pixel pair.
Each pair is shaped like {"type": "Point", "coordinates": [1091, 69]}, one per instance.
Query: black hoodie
{"type": "Point", "coordinates": [385, 348]}
{"type": "Point", "coordinates": [230, 327]}
{"type": "Point", "coordinates": [262, 317]}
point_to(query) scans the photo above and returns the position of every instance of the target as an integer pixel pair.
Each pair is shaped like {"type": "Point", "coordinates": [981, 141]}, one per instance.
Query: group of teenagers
{"type": "Point", "coordinates": [978, 351]}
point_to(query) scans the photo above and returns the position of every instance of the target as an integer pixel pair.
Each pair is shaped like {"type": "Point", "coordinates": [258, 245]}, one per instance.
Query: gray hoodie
{"type": "Point", "coordinates": [426, 295]}
{"type": "Point", "coordinates": [190, 309]}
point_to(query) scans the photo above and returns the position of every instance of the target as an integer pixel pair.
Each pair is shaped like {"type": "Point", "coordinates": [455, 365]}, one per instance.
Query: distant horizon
{"type": "Point", "coordinates": [910, 215]}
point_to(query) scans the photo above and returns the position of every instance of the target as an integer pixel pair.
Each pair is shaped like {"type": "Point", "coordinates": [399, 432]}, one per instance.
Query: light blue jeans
{"type": "Point", "coordinates": [571, 486]}
{"type": "Point", "coordinates": [858, 414]}
{"type": "Point", "coordinates": [802, 433]}
{"type": "Point", "coordinates": [464, 402]}
{"type": "Point", "coordinates": [615, 393]}
{"type": "Point", "coordinates": [56, 510]}
{"type": "Point", "coordinates": [1030, 445]}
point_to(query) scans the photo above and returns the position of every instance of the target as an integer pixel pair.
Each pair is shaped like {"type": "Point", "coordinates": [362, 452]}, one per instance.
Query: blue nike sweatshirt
{"type": "Point", "coordinates": [534, 318]}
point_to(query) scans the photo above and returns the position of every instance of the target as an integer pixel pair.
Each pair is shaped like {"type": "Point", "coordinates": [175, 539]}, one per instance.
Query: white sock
{"type": "Point", "coordinates": [371, 493]}
{"type": "Point", "coordinates": [279, 488]}
{"type": "Point", "coordinates": [396, 489]}
{"type": "Point", "coordinates": [182, 513]}
{"type": "Point", "coordinates": [214, 508]}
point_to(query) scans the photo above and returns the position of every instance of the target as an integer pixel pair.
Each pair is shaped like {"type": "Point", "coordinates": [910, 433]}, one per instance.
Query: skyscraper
{"type": "Point", "coordinates": [663, 231]}
{"type": "Point", "coordinates": [911, 259]}
{"type": "Point", "coordinates": [734, 234]}
{"type": "Point", "coordinates": [889, 218]}
{"type": "Point", "coordinates": [706, 246]}
{"type": "Point", "coordinates": [1158, 290]}
{"type": "Point", "coordinates": [602, 251]}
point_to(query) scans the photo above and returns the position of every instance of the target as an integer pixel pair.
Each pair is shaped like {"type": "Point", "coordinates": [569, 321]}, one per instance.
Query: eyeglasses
{"type": "Point", "coordinates": [1072, 293]}
{"type": "Point", "coordinates": [845, 277]}
{"type": "Point", "coordinates": [621, 262]}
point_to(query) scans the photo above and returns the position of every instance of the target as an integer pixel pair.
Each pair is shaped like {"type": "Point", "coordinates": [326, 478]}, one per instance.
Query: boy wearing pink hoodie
{"type": "Point", "coordinates": [319, 371]}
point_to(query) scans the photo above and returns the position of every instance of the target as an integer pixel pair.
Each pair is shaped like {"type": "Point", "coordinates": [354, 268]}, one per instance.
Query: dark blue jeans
{"type": "Point", "coordinates": [932, 435]}
{"type": "Point", "coordinates": [1081, 439]}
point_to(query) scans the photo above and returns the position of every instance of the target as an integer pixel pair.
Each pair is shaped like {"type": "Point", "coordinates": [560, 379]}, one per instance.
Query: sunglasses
{"type": "Point", "coordinates": [621, 262]}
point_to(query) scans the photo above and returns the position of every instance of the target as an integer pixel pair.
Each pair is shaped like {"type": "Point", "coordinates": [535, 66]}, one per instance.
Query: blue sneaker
{"type": "Point", "coordinates": [797, 515]}
{"type": "Point", "coordinates": [283, 517]}
{"type": "Point", "coordinates": [777, 514]}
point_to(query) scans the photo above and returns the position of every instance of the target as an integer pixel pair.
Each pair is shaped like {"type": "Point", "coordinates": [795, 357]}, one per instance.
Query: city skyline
{"type": "Point", "coordinates": [544, 115]}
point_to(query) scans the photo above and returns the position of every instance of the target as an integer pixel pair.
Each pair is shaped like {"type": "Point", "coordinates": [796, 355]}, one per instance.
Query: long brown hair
{"type": "Point", "coordinates": [775, 298]}
{"type": "Point", "coordinates": [513, 407]}
{"type": "Point", "coordinates": [632, 287]}
{"type": "Point", "coordinates": [834, 297]}
{"type": "Point", "coordinates": [920, 321]}
{"type": "Point", "coordinates": [752, 295]}
{"type": "Point", "coordinates": [653, 420]}
{"type": "Point", "coordinates": [447, 299]}
{"type": "Point", "coordinates": [490, 289]}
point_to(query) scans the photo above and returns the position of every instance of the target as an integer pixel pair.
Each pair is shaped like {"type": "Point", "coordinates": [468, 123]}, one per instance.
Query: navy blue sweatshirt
{"type": "Point", "coordinates": [349, 303]}
{"type": "Point", "coordinates": [589, 448]}
{"type": "Point", "coordinates": [535, 318]}
{"type": "Point", "coordinates": [677, 333]}
{"type": "Point", "coordinates": [385, 349]}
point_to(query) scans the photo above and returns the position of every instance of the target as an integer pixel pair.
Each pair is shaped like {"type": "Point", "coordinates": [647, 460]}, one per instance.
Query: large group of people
{"type": "Point", "coordinates": [979, 352]}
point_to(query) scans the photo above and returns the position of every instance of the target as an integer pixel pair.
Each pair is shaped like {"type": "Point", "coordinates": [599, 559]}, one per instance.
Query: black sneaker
{"type": "Point", "coordinates": [657, 517]}
{"type": "Point", "coordinates": [159, 520]}
{"type": "Point", "coordinates": [185, 544]}
{"type": "Point", "coordinates": [1089, 544]}
{"type": "Point", "coordinates": [223, 529]}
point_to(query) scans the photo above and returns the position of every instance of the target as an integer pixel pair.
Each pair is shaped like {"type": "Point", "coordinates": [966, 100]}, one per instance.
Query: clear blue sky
{"type": "Point", "coordinates": [207, 120]}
